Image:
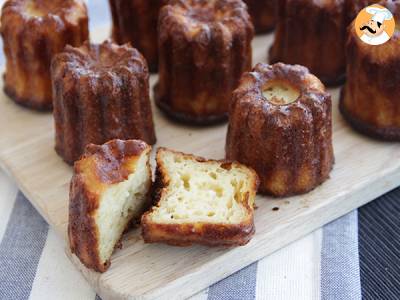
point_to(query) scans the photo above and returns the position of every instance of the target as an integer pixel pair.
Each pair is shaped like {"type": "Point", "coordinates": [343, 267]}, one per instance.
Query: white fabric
{"type": "Point", "coordinates": [56, 277]}
{"type": "Point", "coordinates": [293, 273]}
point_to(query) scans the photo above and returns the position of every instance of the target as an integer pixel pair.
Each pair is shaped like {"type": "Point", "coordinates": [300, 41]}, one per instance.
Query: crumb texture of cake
{"type": "Point", "coordinates": [262, 14]}
{"type": "Point", "coordinates": [200, 201]}
{"type": "Point", "coordinates": [109, 189]}
{"type": "Point", "coordinates": [280, 124]}
{"type": "Point", "coordinates": [33, 32]}
{"type": "Point", "coordinates": [204, 47]}
{"type": "Point", "coordinates": [313, 33]}
{"type": "Point", "coordinates": [370, 99]}
{"type": "Point", "coordinates": [135, 22]}
{"type": "Point", "coordinates": [101, 92]}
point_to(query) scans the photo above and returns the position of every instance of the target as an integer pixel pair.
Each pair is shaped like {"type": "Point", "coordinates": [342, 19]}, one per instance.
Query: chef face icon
{"type": "Point", "coordinates": [373, 28]}
{"type": "Point", "coordinates": [375, 25]}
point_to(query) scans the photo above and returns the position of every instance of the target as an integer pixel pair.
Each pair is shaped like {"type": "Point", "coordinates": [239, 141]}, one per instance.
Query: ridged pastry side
{"type": "Point", "coordinates": [204, 48]}
{"type": "Point", "coordinates": [370, 98]}
{"type": "Point", "coordinates": [135, 22]}
{"type": "Point", "coordinates": [32, 34]}
{"type": "Point", "coordinates": [289, 145]}
{"type": "Point", "coordinates": [101, 92]}
{"type": "Point", "coordinates": [262, 14]}
{"type": "Point", "coordinates": [313, 34]}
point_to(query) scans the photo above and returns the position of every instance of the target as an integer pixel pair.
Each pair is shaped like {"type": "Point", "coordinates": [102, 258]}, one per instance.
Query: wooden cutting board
{"type": "Point", "coordinates": [364, 170]}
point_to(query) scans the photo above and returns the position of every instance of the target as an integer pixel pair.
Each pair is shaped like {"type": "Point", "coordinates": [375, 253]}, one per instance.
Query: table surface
{"type": "Point", "coordinates": [353, 257]}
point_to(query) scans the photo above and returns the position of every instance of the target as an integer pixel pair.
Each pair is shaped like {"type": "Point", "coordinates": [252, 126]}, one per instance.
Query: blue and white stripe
{"type": "Point", "coordinates": [33, 264]}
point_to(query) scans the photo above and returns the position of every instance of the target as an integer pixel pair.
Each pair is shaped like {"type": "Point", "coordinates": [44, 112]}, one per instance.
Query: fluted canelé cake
{"type": "Point", "coordinates": [204, 47]}
{"type": "Point", "coordinates": [280, 124]}
{"type": "Point", "coordinates": [370, 100]}
{"type": "Point", "coordinates": [135, 22]}
{"type": "Point", "coordinates": [313, 33]}
{"type": "Point", "coordinates": [33, 32]}
{"type": "Point", "coordinates": [262, 13]}
{"type": "Point", "coordinates": [101, 92]}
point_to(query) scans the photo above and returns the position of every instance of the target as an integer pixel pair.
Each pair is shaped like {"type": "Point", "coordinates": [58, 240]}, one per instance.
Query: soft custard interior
{"type": "Point", "coordinates": [280, 93]}
{"type": "Point", "coordinates": [202, 192]}
{"type": "Point", "coordinates": [120, 203]}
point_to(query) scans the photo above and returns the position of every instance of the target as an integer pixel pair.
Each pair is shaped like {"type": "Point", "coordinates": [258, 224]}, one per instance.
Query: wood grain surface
{"type": "Point", "coordinates": [364, 170]}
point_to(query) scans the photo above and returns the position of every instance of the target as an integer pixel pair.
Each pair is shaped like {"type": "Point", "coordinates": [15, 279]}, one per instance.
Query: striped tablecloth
{"type": "Point", "coordinates": [355, 257]}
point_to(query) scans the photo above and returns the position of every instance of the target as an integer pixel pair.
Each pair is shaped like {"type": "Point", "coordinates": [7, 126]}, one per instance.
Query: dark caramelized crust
{"type": "Point", "coordinates": [204, 47]}
{"type": "Point", "coordinates": [370, 100]}
{"type": "Point", "coordinates": [313, 34]}
{"type": "Point", "coordinates": [32, 32]}
{"type": "Point", "coordinates": [135, 21]}
{"type": "Point", "coordinates": [101, 92]}
{"type": "Point", "coordinates": [99, 167]}
{"type": "Point", "coordinates": [289, 145]}
{"type": "Point", "coordinates": [186, 234]}
{"type": "Point", "coordinates": [262, 13]}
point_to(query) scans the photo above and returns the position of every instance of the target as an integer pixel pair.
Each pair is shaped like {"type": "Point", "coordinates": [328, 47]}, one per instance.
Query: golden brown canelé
{"type": "Point", "coordinates": [200, 201]}
{"type": "Point", "coordinates": [312, 33]}
{"type": "Point", "coordinates": [101, 92]}
{"type": "Point", "coordinates": [135, 21]}
{"type": "Point", "coordinates": [204, 47]}
{"type": "Point", "coordinates": [280, 124]}
{"type": "Point", "coordinates": [370, 100]}
{"type": "Point", "coordinates": [32, 32]}
{"type": "Point", "coordinates": [262, 13]}
{"type": "Point", "coordinates": [109, 189]}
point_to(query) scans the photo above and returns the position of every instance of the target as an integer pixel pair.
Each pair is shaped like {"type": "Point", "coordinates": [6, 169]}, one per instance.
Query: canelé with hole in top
{"type": "Point", "coordinates": [101, 92]}
{"type": "Point", "coordinates": [280, 124]}
{"type": "Point", "coordinates": [135, 22]}
{"type": "Point", "coordinates": [370, 100]}
{"type": "Point", "coordinates": [262, 13]}
{"type": "Point", "coordinates": [109, 190]}
{"type": "Point", "coordinates": [33, 31]}
{"type": "Point", "coordinates": [313, 33]}
{"type": "Point", "coordinates": [204, 47]}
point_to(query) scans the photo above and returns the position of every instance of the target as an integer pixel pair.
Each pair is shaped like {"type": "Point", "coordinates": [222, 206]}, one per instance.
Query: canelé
{"type": "Point", "coordinates": [135, 22]}
{"type": "Point", "coordinates": [280, 124]}
{"type": "Point", "coordinates": [204, 47]}
{"type": "Point", "coordinates": [109, 190]}
{"type": "Point", "coordinates": [101, 92]}
{"type": "Point", "coordinates": [370, 100]}
{"type": "Point", "coordinates": [313, 33]}
{"type": "Point", "coordinates": [33, 31]}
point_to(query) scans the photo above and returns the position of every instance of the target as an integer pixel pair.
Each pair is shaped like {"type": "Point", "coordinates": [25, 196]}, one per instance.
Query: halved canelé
{"type": "Point", "coordinates": [109, 189]}
{"type": "Point", "coordinates": [200, 201]}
